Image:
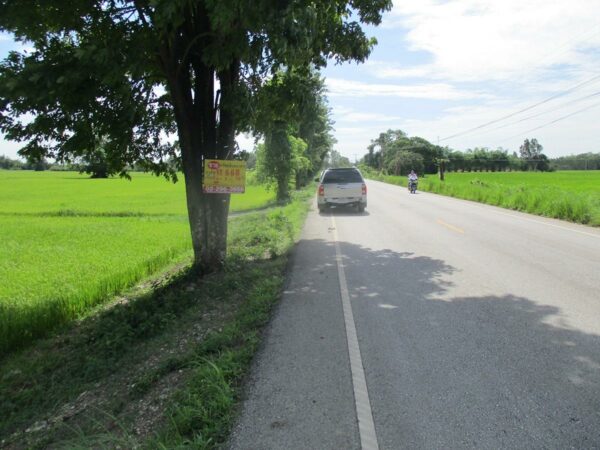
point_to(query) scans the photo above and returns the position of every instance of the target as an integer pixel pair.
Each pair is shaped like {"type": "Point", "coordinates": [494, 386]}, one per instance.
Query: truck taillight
{"type": "Point", "coordinates": [364, 189]}
{"type": "Point", "coordinates": [321, 190]}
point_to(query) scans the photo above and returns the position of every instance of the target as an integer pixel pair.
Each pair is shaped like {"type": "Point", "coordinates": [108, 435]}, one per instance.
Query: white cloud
{"type": "Point", "coordinates": [486, 59]}
{"type": "Point", "coordinates": [245, 142]}
{"type": "Point", "coordinates": [347, 115]}
{"type": "Point", "coordinates": [9, 148]}
{"type": "Point", "coordinates": [492, 40]}
{"type": "Point", "coordinates": [338, 87]}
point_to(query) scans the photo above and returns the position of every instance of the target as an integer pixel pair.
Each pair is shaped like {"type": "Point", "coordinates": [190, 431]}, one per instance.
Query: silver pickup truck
{"type": "Point", "coordinates": [342, 187]}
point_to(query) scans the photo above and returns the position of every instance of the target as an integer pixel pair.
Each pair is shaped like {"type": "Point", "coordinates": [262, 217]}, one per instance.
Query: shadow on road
{"type": "Point", "coordinates": [494, 371]}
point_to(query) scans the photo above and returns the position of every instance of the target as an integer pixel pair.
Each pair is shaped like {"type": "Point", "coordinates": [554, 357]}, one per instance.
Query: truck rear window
{"type": "Point", "coordinates": [342, 176]}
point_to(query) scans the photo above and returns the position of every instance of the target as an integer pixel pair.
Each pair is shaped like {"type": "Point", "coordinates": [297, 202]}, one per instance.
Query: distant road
{"type": "Point", "coordinates": [477, 327]}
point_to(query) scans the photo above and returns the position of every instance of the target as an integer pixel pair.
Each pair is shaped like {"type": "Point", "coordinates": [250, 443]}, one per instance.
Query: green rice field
{"type": "Point", "coordinates": [68, 242]}
{"type": "Point", "coordinates": [567, 195]}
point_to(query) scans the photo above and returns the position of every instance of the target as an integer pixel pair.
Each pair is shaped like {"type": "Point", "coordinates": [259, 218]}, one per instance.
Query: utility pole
{"type": "Point", "coordinates": [441, 162]}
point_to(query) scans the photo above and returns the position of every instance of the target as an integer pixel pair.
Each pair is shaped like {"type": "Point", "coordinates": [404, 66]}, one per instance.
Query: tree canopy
{"type": "Point", "coordinates": [393, 151]}
{"type": "Point", "coordinates": [293, 117]}
{"type": "Point", "coordinates": [129, 72]}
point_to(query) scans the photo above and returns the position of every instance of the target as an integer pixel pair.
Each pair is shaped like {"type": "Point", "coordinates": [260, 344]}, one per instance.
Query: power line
{"type": "Point", "coordinates": [560, 94]}
{"type": "Point", "coordinates": [554, 121]}
{"type": "Point", "coordinates": [566, 46]}
{"type": "Point", "coordinates": [577, 100]}
{"type": "Point", "coordinates": [557, 51]}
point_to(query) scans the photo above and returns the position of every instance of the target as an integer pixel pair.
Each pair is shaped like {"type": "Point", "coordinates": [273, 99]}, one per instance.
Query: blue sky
{"type": "Point", "coordinates": [443, 67]}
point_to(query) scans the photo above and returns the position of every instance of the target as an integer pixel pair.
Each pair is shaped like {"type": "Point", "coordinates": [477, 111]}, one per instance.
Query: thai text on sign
{"type": "Point", "coordinates": [224, 176]}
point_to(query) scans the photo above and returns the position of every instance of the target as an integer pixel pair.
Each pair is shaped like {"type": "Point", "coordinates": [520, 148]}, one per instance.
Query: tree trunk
{"type": "Point", "coordinates": [207, 215]}
{"type": "Point", "coordinates": [206, 130]}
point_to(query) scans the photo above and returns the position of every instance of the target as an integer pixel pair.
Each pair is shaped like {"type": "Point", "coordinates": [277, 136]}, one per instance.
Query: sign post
{"type": "Point", "coordinates": [224, 177]}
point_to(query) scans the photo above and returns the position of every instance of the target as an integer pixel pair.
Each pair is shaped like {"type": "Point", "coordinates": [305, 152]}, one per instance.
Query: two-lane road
{"type": "Point", "coordinates": [477, 327]}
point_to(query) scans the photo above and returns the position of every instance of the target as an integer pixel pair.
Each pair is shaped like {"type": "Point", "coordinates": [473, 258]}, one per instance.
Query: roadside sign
{"type": "Point", "coordinates": [224, 177]}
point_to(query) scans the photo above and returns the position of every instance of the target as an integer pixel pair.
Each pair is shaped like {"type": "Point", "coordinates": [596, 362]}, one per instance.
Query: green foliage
{"type": "Point", "coordinates": [481, 159]}
{"type": "Point", "coordinates": [335, 159]}
{"type": "Point", "coordinates": [268, 234]}
{"type": "Point", "coordinates": [531, 153]}
{"type": "Point", "coordinates": [127, 74]}
{"type": "Point", "coordinates": [393, 151]}
{"type": "Point", "coordinates": [404, 161]}
{"type": "Point", "coordinates": [7, 163]}
{"type": "Point", "coordinates": [95, 163]}
{"type": "Point", "coordinates": [97, 69]}
{"type": "Point", "coordinates": [292, 103]}
{"type": "Point", "coordinates": [277, 162]}
{"type": "Point", "coordinates": [301, 164]}
{"type": "Point", "coordinates": [388, 153]}
{"type": "Point", "coordinates": [583, 161]}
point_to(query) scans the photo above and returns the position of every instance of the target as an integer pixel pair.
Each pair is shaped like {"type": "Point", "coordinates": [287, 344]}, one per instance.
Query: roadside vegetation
{"type": "Point", "coordinates": [168, 102]}
{"type": "Point", "coordinates": [70, 242]}
{"type": "Point", "coordinates": [566, 195]}
{"type": "Point", "coordinates": [158, 366]}
{"type": "Point", "coordinates": [524, 181]}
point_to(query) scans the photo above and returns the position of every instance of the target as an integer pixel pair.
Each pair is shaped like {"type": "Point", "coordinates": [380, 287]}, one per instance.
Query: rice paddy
{"type": "Point", "coordinates": [68, 242]}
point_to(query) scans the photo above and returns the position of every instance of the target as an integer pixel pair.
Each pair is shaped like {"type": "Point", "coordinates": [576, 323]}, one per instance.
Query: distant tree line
{"type": "Point", "coordinates": [482, 159]}
{"type": "Point", "coordinates": [16, 164]}
{"type": "Point", "coordinates": [583, 161]}
{"type": "Point", "coordinates": [96, 167]}
{"type": "Point", "coordinates": [395, 153]}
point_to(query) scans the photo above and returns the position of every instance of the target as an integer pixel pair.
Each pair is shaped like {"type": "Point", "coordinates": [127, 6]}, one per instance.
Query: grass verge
{"type": "Point", "coordinates": [160, 367]}
{"type": "Point", "coordinates": [561, 195]}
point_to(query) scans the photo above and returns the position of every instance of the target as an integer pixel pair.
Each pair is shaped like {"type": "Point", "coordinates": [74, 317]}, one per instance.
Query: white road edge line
{"type": "Point", "coordinates": [366, 426]}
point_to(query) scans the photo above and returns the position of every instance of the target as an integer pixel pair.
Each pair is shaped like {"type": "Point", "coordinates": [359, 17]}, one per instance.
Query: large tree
{"type": "Point", "coordinates": [291, 107]}
{"type": "Point", "coordinates": [384, 152]}
{"type": "Point", "coordinates": [531, 153]}
{"type": "Point", "coordinates": [127, 72]}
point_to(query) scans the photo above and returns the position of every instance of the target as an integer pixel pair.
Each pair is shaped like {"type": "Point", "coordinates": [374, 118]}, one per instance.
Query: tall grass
{"type": "Point", "coordinates": [68, 242]}
{"type": "Point", "coordinates": [568, 195]}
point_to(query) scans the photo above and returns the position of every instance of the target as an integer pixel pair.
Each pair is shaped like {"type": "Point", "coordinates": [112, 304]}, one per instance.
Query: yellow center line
{"type": "Point", "coordinates": [451, 227]}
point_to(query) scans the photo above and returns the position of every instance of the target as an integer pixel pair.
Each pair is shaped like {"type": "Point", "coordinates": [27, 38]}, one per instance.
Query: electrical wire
{"type": "Point", "coordinates": [577, 100]}
{"type": "Point", "coordinates": [555, 96]}
{"type": "Point", "coordinates": [554, 121]}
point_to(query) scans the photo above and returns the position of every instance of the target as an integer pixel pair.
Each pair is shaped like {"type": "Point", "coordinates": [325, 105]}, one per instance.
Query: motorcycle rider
{"type": "Point", "coordinates": [412, 177]}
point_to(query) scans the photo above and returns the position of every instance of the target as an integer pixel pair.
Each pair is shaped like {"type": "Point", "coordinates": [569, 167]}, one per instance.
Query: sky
{"type": "Point", "coordinates": [468, 73]}
{"type": "Point", "coordinates": [445, 67]}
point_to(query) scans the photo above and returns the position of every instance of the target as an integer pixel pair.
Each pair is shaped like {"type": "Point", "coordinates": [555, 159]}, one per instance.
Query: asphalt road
{"type": "Point", "coordinates": [477, 327]}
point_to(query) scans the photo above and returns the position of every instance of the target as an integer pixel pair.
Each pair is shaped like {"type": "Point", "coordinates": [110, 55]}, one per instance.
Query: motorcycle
{"type": "Point", "coordinates": [412, 186]}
